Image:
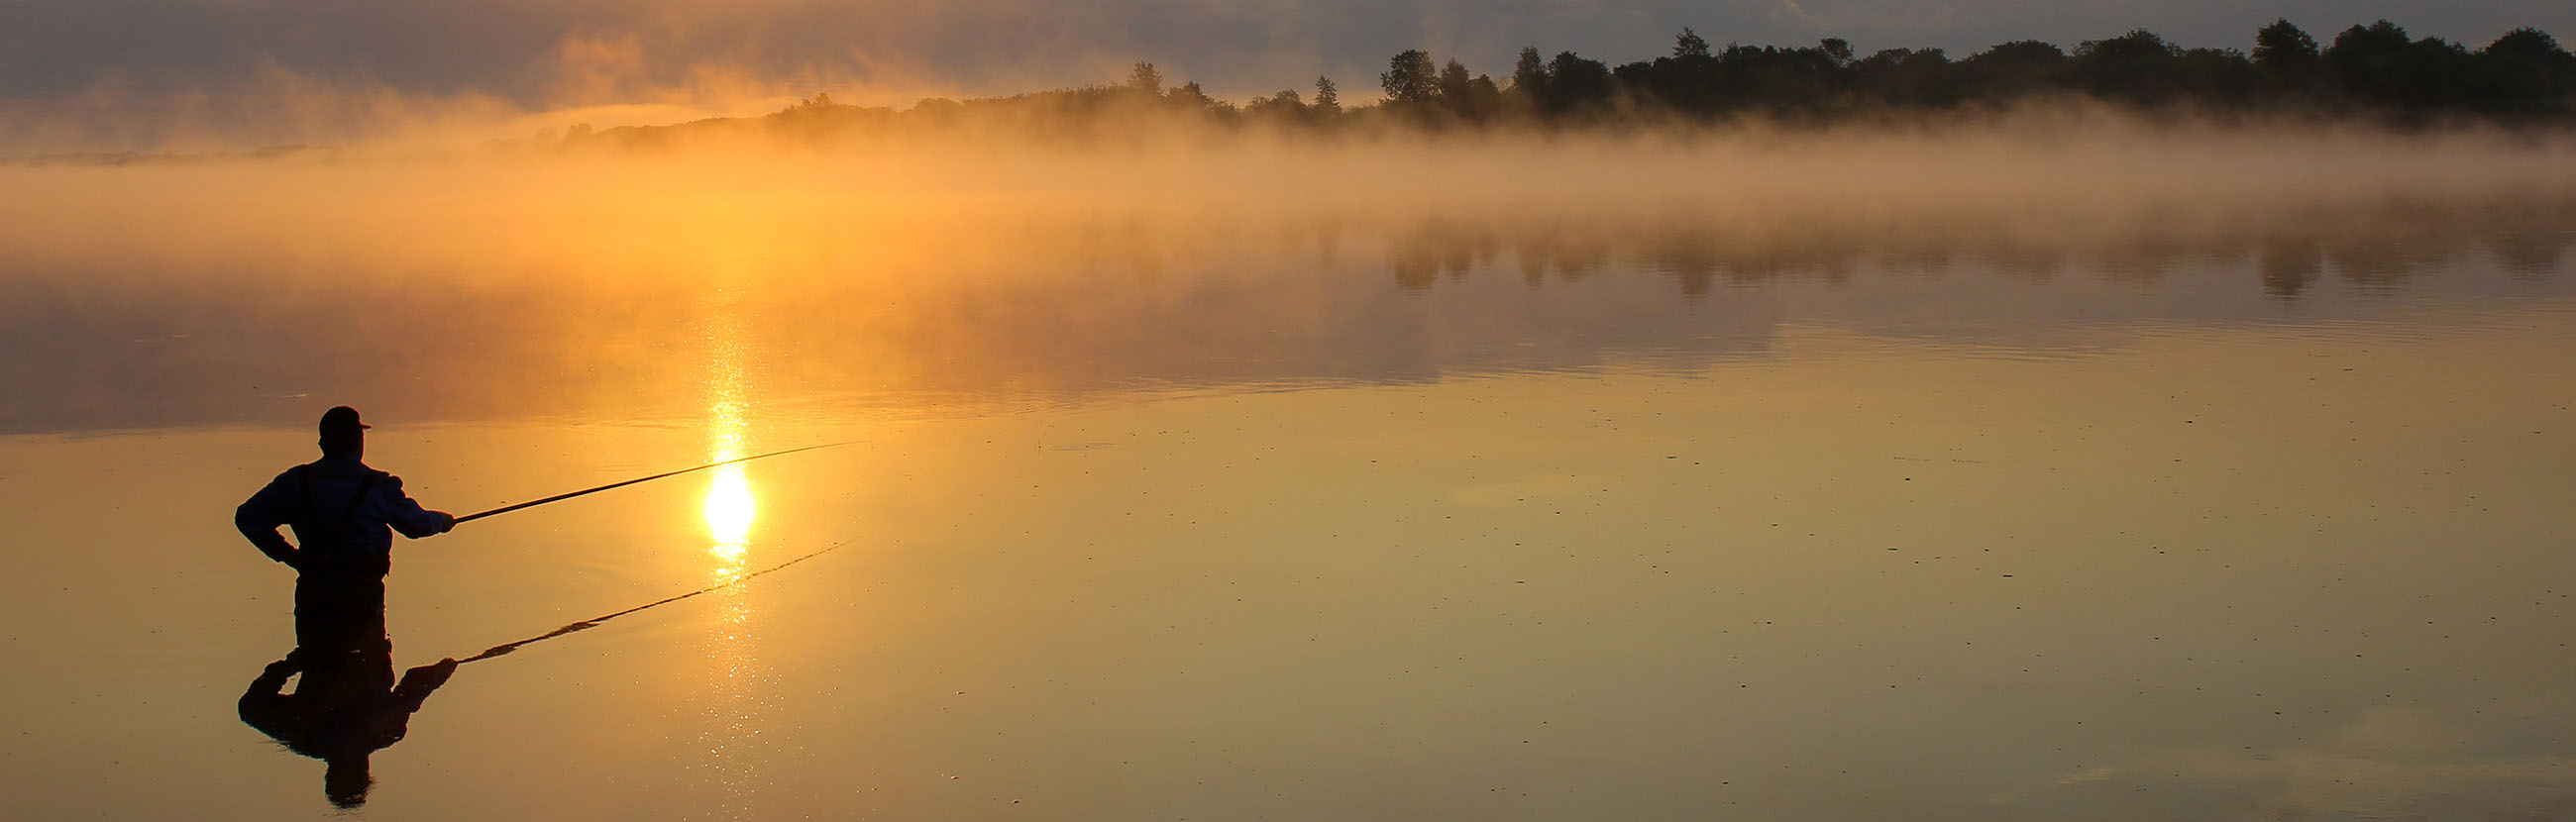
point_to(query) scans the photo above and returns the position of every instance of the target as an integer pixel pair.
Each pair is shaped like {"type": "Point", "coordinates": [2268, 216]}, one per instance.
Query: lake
{"type": "Point", "coordinates": [1186, 501]}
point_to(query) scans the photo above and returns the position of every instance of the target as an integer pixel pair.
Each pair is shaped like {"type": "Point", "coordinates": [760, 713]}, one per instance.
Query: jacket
{"type": "Point", "coordinates": [343, 514]}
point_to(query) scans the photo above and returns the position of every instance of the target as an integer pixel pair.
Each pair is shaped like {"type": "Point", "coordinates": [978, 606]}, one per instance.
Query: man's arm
{"type": "Point", "coordinates": [406, 515]}
{"type": "Point", "coordinates": [418, 682]}
{"type": "Point", "coordinates": [259, 517]}
{"type": "Point", "coordinates": [262, 707]}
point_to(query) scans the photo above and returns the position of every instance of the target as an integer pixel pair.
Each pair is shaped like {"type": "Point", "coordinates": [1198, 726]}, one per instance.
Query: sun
{"type": "Point", "coordinates": [729, 510]}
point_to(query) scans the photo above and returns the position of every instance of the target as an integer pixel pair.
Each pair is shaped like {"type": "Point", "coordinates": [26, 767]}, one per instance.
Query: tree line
{"type": "Point", "coordinates": [2375, 69]}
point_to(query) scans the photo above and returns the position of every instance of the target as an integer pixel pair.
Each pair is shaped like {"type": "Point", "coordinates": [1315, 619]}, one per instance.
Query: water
{"type": "Point", "coordinates": [1332, 511]}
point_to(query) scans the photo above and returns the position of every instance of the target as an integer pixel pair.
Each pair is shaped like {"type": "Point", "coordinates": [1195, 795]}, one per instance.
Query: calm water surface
{"type": "Point", "coordinates": [1507, 513]}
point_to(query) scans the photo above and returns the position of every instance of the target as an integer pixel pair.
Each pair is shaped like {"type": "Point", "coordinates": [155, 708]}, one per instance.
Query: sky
{"type": "Point", "coordinates": [63, 58]}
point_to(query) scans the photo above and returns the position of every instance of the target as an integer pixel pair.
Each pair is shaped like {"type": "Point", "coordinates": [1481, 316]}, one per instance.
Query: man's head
{"type": "Point", "coordinates": [342, 432]}
{"type": "Point", "coordinates": [345, 780]}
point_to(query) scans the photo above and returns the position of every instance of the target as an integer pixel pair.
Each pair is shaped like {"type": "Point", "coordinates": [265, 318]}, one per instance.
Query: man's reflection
{"type": "Point", "coordinates": [348, 704]}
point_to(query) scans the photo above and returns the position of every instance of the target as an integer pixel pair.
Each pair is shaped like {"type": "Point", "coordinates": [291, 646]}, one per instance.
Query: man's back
{"type": "Point", "coordinates": [343, 512]}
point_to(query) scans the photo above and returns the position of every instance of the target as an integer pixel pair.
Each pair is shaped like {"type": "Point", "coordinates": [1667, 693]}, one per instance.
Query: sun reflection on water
{"type": "Point", "coordinates": [735, 704]}
{"type": "Point", "coordinates": [729, 507]}
{"type": "Point", "coordinates": [729, 511]}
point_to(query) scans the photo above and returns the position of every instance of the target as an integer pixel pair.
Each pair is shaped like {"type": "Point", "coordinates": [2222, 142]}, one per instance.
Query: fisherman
{"type": "Point", "coordinates": [343, 512]}
{"type": "Point", "coordinates": [347, 703]}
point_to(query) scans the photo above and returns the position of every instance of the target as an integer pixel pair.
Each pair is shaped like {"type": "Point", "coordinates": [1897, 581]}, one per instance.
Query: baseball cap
{"type": "Point", "coordinates": [342, 419]}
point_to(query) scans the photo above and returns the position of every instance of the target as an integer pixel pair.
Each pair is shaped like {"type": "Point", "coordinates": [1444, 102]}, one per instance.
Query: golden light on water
{"type": "Point", "coordinates": [729, 510]}
{"type": "Point", "coordinates": [739, 680]}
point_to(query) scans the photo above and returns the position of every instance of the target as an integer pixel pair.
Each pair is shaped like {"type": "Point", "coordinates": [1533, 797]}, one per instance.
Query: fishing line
{"type": "Point", "coordinates": [593, 622]}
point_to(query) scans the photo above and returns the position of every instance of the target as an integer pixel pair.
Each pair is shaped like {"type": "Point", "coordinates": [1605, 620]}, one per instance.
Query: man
{"type": "Point", "coordinates": [347, 703]}
{"type": "Point", "coordinates": [343, 512]}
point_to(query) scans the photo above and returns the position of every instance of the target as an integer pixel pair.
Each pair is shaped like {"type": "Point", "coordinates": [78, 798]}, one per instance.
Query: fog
{"type": "Point", "coordinates": [1251, 468]}
{"type": "Point", "coordinates": [747, 190]}
{"type": "Point", "coordinates": [914, 273]}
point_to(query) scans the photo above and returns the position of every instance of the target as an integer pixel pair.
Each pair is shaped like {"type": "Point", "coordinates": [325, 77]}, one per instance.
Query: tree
{"type": "Point", "coordinates": [1529, 74]}
{"type": "Point", "coordinates": [1284, 105]}
{"type": "Point", "coordinates": [2217, 75]}
{"type": "Point", "coordinates": [2529, 72]}
{"type": "Point", "coordinates": [1145, 79]}
{"type": "Point", "coordinates": [1908, 77]}
{"type": "Point", "coordinates": [2357, 49]}
{"type": "Point", "coordinates": [2136, 46]}
{"type": "Point", "coordinates": [2378, 38]}
{"type": "Point", "coordinates": [1328, 97]}
{"type": "Point", "coordinates": [2139, 66]}
{"type": "Point", "coordinates": [1454, 93]}
{"type": "Point", "coordinates": [1689, 44]}
{"type": "Point", "coordinates": [2378, 63]}
{"type": "Point", "coordinates": [1189, 94]}
{"type": "Point", "coordinates": [1575, 84]}
{"type": "Point", "coordinates": [2009, 70]}
{"type": "Point", "coordinates": [1409, 77]}
{"type": "Point", "coordinates": [2530, 44]}
{"type": "Point", "coordinates": [1837, 50]}
{"type": "Point", "coordinates": [2281, 48]}
{"type": "Point", "coordinates": [1483, 96]}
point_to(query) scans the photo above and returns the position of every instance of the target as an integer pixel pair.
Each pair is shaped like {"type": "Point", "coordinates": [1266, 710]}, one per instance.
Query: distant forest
{"type": "Point", "coordinates": [2372, 72]}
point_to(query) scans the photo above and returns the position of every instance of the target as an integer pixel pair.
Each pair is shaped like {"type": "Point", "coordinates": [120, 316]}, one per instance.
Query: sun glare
{"type": "Point", "coordinates": [729, 512]}
{"type": "Point", "coordinates": [729, 507]}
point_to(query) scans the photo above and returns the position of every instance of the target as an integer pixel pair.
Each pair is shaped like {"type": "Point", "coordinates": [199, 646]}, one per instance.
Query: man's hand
{"type": "Point", "coordinates": [447, 522]}
{"type": "Point", "coordinates": [285, 554]}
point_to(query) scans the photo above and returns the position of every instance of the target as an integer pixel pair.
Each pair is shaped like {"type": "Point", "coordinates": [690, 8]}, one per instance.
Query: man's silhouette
{"type": "Point", "coordinates": [344, 514]}
{"type": "Point", "coordinates": [342, 511]}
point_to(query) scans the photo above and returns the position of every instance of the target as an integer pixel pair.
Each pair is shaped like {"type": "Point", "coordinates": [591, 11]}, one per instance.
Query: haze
{"type": "Point", "coordinates": [2136, 425]}
{"type": "Point", "coordinates": [997, 266]}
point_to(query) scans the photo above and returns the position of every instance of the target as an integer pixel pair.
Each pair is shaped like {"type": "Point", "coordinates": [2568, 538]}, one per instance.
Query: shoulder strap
{"type": "Point", "coordinates": [365, 485]}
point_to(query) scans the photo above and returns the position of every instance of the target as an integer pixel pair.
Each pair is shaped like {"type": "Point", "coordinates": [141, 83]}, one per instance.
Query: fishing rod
{"type": "Point", "coordinates": [561, 497]}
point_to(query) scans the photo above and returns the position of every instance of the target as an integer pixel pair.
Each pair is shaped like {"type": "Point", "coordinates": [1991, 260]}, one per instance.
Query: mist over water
{"type": "Point", "coordinates": [1008, 271]}
{"type": "Point", "coordinates": [2046, 464]}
